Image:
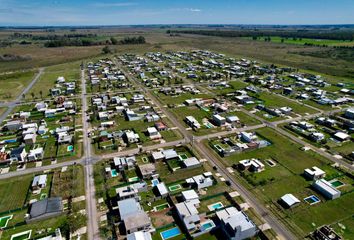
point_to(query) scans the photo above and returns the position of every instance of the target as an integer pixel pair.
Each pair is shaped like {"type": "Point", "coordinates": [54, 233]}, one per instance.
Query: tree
{"type": "Point", "coordinates": [114, 41]}
{"type": "Point", "coordinates": [41, 93]}
{"type": "Point", "coordinates": [23, 96]}
{"type": "Point", "coordinates": [106, 50]}
{"type": "Point", "coordinates": [32, 94]}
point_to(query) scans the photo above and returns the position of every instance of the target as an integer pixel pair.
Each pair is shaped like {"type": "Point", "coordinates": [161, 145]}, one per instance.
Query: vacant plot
{"type": "Point", "coordinates": [11, 85]}
{"type": "Point", "coordinates": [13, 192]}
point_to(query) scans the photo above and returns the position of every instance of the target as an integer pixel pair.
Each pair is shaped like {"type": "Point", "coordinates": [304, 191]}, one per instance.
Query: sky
{"type": "Point", "coordinates": [135, 12]}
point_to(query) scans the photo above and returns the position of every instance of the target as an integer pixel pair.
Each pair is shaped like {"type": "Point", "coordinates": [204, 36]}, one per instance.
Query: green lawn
{"type": "Point", "coordinates": [13, 192]}
{"type": "Point", "coordinates": [11, 85]}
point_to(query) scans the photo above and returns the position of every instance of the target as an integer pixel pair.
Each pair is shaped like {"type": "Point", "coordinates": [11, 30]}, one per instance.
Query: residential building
{"type": "Point", "coordinates": [39, 182]}
{"type": "Point", "coordinates": [326, 189]}
{"type": "Point", "coordinates": [44, 209]}
{"type": "Point", "coordinates": [289, 200]}
{"type": "Point", "coordinates": [147, 170]}
{"type": "Point", "coordinates": [314, 173]}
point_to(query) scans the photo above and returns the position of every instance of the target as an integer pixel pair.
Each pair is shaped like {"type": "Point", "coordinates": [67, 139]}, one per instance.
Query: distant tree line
{"type": "Point", "coordinates": [315, 34]}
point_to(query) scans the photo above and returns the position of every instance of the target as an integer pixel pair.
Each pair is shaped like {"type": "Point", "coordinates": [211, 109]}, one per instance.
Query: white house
{"type": "Point", "coordinates": [289, 200]}
{"type": "Point", "coordinates": [314, 173]}
{"type": "Point", "coordinates": [326, 189]}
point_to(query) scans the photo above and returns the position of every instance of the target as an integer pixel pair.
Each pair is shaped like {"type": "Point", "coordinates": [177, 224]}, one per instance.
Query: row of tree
{"type": "Point", "coordinates": [315, 34]}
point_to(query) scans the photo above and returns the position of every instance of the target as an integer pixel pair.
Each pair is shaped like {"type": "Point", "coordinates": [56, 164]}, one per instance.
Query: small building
{"type": "Point", "coordinates": [232, 119]}
{"type": "Point", "coordinates": [191, 162]}
{"type": "Point", "coordinates": [341, 136]}
{"type": "Point", "coordinates": [162, 189]}
{"type": "Point", "coordinates": [160, 126]}
{"type": "Point", "coordinates": [35, 154]}
{"type": "Point", "coordinates": [127, 192]}
{"type": "Point", "coordinates": [253, 165]}
{"type": "Point", "coordinates": [18, 154]}
{"type": "Point", "coordinates": [188, 214]}
{"type": "Point", "coordinates": [192, 122]}
{"type": "Point", "coordinates": [139, 236]}
{"type": "Point", "coordinates": [124, 162]}
{"type": "Point", "coordinates": [289, 201]}
{"type": "Point", "coordinates": [349, 113]}
{"type": "Point", "coordinates": [13, 125]}
{"type": "Point", "coordinates": [326, 189]}
{"type": "Point", "coordinates": [30, 139]}
{"type": "Point", "coordinates": [314, 173]}
{"type": "Point", "coordinates": [200, 181]}
{"type": "Point", "coordinates": [170, 154]}
{"type": "Point", "coordinates": [39, 182]}
{"type": "Point", "coordinates": [44, 209]}
{"type": "Point", "coordinates": [147, 170]}
{"type": "Point", "coordinates": [153, 133]}
{"type": "Point", "coordinates": [325, 233]}
{"type": "Point", "coordinates": [219, 120]}
{"type": "Point", "coordinates": [191, 196]}
{"type": "Point", "coordinates": [131, 137]}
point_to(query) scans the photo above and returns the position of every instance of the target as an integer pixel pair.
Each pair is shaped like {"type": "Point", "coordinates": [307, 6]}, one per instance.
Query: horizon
{"type": "Point", "coordinates": [18, 13]}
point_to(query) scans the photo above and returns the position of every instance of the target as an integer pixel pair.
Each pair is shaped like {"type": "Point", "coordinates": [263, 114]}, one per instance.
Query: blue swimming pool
{"type": "Point", "coordinates": [114, 173]}
{"type": "Point", "coordinates": [207, 226]}
{"type": "Point", "coordinates": [312, 200]}
{"type": "Point", "coordinates": [155, 182]}
{"type": "Point", "coordinates": [217, 205]}
{"type": "Point", "coordinates": [170, 233]}
{"type": "Point", "coordinates": [10, 140]}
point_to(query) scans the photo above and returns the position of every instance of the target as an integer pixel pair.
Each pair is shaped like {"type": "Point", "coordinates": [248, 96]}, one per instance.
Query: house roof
{"type": "Point", "coordinates": [137, 220]}
{"type": "Point", "coordinates": [190, 195]}
{"type": "Point", "coordinates": [128, 207]}
{"type": "Point", "coordinates": [290, 199]}
{"type": "Point", "coordinates": [139, 236]}
{"type": "Point", "coordinates": [47, 205]}
{"type": "Point", "coordinates": [192, 161]}
{"type": "Point", "coordinates": [170, 153]}
{"type": "Point", "coordinates": [162, 188]}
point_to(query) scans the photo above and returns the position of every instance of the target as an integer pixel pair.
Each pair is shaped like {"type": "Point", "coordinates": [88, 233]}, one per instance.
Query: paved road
{"type": "Point", "coordinates": [11, 105]}
{"type": "Point", "coordinates": [93, 232]}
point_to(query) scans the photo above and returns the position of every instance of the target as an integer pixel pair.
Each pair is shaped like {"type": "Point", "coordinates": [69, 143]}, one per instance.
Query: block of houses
{"type": "Point", "coordinates": [326, 189]}
{"type": "Point", "coordinates": [39, 182]}
{"type": "Point", "coordinates": [236, 224]}
{"type": "Point", "coordinates": [289, 200]}
{"type": "Point", "coordinates": [147, 170]}
{"type": "Point", "coordinates": [314, 173]}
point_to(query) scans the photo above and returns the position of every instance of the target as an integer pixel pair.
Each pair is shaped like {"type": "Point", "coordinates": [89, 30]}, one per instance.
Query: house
{"type": "Point", "coordinates": [13, 125]}
{"type": "Point", "coordinates": [133, 217]}
{"type": "Point", "coordinates": [189, 215]}
{"type": "Point", "coordinates": [153, 133]}
{"type": "Point", "coordinates": [191, 162]}
{"type": "Point", "coordinates": [35, 154]}
{"type": "Point", "coordinates": [349, 113]}
{"type": "Point", "coordinates": [325, 233]}
{"type": "Point", "coordinates": [253, 165]}
{"type": "Point", "coordinates": [44, 209]}
{"type": "Point", "coordinates": [25, 115]}
{"type": "Point", "coordinates": [314, 173]}
{"type": "Point", "coordinates": [49, 113]}
{"type": "Point", "coordinates": [192, 122]}
{"type": "Point", "coordinates": [64, 138]}
{"type": "Point", "coordinates": [248, 137]}
{"type": "Point", "coordinates": [131, 137]}
{"type": "Point", "coordinates": [160, 126]}
{"type": "Point", "coordinates": [147, 170]}
{"type": "Point", "coordinates": [41, 106]}
{"type": "Point", "coordinates": [341, 136]}
{"type": "Point", "coordinates": [219, 120]}
{"type": "Point", "coordinates": [18, 154]}
{"type": "Point", "coordinates": [200, 181]}
{"type": "Point", "coordinates": [317, 136]}
{"type": "Point", "coordinates": [236, 224]}
{"type": "Point", "coordinates": [30, 139]}
{"type": "Point", "coordinates": [39, 182]}
{"type": "Point", "coordinates": [326, 189]}
{"type": "Point", "coordinates": [127, 192]}
{"type": "Point", "coordinates": [191, 196]}
{"type": "Point", "coordinates": [289, 200]}
{"type": "Point", "coordinates": [162, 189]}
{"type": "Point", "coordinates": [107, 124]}
{"type": "Point", "coordinates": [232, 119]}
{"type": "Point", "coordinates": [170, 154]}
{"type": "Point", "coordinates": [124, 162]}
{"type": "Point", "coordinates": [139, 236]}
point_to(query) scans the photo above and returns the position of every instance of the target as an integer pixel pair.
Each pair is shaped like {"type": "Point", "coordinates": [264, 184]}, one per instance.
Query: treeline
{"type": "Point", "coordinates": [88, 42]}
{"type": "Point", "coordinates": [335, 34]}
{"type": "Point", "coordinates": [54, 36]}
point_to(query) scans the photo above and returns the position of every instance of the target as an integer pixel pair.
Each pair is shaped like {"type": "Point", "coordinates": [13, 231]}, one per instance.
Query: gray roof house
{"type": "Point", "coordinates": [44, 209]}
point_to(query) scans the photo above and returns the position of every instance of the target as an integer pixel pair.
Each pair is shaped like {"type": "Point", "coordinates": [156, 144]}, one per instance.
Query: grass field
{"type": "Point", "coordinates": [302, 41]}
{"type": "Point", "coordinates": [11, 85]}
{"type": "Point", "coordinates": [2, 110]}
{"type": "Point", "coordinates": [13, 192]}
{"type": "Point", "coordinates": [71, 72]}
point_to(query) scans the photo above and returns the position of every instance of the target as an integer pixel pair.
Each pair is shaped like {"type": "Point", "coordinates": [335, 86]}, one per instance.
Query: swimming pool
{"type": "Point", "coordinates": [114, 173]}
{"type": "Point", "coordinates": [207, 226]}
{"type": "Point", "coordinates": [312, 200]}
{"type": "Point", "coordinates": [10, 140]}
{"type": "Point", "coordinates": [154, 182]}
{"type": "Point", "coordinates": [70, 148]}
{"type": "Point", "coordinates": [336, 183]}
{"type": "Point", "coordinates": [215, 206]}
{"type": "Point", "coordinates": [170, 233]}
{"type": "Point", "coordinates": [4, 221]}
{"type": "Point", "coordinates": [174, 187]}
{"type": "Point", "coordinates": [22, 236]}
{"type": "Point", "coordinates": [183, 156]}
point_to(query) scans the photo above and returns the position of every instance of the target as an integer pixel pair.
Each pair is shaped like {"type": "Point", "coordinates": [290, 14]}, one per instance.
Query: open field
{"type": "Point", "coordinates": [11, 85]}
{"type": "Point", "coordinates": [13, 192]}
